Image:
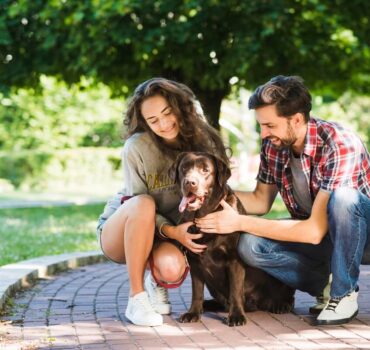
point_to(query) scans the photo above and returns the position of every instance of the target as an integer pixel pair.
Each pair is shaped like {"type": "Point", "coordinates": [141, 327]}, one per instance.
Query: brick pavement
{"type": "Point", "coordinates": [84, 309]}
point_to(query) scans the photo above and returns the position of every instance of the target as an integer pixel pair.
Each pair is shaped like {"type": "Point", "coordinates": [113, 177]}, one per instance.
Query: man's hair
{"type": "Point", "coordinates": [287, 93]}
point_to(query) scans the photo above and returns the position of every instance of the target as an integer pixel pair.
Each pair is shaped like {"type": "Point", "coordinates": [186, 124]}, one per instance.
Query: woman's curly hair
{"type": "Point", "coordinates": [195, 134]}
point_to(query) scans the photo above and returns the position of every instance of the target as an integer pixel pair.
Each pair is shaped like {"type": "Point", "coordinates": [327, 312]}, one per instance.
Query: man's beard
{"type": "Point", "coordinates": [288, 141]}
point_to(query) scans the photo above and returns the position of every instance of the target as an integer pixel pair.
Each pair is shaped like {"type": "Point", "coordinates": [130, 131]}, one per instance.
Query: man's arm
{"type": "Point", "coordinates": [259, 201]}
{"type": "Point", "coordinates": [311, 230]}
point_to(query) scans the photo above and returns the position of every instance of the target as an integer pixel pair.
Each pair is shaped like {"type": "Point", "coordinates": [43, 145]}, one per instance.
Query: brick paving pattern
{"type": "Point", "coordinates": [84, 309]}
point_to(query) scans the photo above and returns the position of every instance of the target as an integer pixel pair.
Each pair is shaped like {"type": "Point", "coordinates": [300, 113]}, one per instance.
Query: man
{"type": "Point", "coordinates": [322, 173]}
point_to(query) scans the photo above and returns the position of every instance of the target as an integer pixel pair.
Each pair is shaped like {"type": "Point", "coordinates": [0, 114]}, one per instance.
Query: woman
{"type": "Point", "coordinates": [139, 224]}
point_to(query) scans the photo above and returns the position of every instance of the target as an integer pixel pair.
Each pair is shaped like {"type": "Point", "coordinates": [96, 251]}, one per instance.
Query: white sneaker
{"type": "Point", "coordinates": [140, 312]}
{"type": "Point", "coordinates": [158, 296]}
{"type": "Point", "coordinates": [322, 299]}
{"type": "Point", "coordinates": [339, 311]}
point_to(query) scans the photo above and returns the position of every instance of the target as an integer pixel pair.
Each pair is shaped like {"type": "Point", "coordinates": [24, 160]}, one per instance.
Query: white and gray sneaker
{"type": "Point", "coordinates": [140, 312]}
{"type": "Point", "coordinates": [339, 310]}
{"type": "Point", "coordinates": [158, 296]}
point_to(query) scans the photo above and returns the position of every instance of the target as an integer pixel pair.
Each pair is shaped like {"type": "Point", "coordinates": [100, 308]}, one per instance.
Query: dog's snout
{"type": "Point", "coordinates": [191, 182]}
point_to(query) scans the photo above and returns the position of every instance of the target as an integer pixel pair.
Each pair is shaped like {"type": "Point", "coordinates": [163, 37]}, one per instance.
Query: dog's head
{"type": "Point", "coordinates": [202, 179]}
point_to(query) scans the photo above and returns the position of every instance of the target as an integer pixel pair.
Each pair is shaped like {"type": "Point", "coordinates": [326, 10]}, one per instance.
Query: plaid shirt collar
{"type": "Point", "coordinates": [313, 140]}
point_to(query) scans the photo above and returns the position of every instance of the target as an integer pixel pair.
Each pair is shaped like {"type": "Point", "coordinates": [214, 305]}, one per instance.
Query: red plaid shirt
{"type": "Point", "coordinates": [332, 157]}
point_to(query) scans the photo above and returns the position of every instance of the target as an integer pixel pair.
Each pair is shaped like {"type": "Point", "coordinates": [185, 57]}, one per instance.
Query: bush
{"type": "Point", "coordinates": [70, 169]}
{"type": "Point", "coordinates": [59, 116]}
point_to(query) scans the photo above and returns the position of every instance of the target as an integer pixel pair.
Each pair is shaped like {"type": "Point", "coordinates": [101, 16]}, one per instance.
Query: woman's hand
{"type": "Point", "coordinates": [224, 221]}
{"type": "Point", "coordinates": [181, 234]}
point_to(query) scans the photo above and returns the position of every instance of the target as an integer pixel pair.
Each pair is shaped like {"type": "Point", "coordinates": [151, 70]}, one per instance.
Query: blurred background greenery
{"type": "Point", "coordinates": [67, 67]}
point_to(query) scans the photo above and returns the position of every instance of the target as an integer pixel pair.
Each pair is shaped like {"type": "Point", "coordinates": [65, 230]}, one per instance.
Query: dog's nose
{"type": "Point", "coordinates": [191, 182]}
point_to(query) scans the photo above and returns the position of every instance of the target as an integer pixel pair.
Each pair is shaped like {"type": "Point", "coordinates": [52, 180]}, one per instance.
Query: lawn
{"type": "Point", "coordinates": [33, 232]}
{"type": "Point", "coordinates": [278, 210]}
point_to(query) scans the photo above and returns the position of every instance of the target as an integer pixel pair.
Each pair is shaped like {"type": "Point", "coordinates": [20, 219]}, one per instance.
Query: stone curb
{"type": "Point", "coordinates": [14, 277]}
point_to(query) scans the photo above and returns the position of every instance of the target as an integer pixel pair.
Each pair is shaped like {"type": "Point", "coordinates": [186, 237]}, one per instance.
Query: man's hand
{"type": "Point", "coordinates": [224, 221]}
{"type": "Point", "coordinates": [181, 234]}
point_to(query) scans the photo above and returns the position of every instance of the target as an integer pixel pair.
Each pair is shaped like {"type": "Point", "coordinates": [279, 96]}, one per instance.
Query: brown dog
{"type": "Point", "coordinates": [239, 288]}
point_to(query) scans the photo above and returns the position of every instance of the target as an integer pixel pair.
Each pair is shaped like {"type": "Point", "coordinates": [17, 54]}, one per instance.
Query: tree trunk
{"type": "Point", "coordinates": [209, 99]}
{"type": "Point", "coordinates": [211, 104]}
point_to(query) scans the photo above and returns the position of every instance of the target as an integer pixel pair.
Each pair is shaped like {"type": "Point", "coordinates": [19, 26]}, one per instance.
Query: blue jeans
{"type": "Point", "coordinates": [306, 266]}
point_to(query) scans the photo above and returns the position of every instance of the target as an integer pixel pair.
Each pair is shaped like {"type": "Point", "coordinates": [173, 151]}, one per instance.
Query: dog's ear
{"type": "Point", "coordinates": [173, 171]}
{"type": "Point", "coordinates": [223, 171]}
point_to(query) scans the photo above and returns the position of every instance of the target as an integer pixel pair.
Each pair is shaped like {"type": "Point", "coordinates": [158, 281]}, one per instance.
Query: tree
{"type": "Point", "coordinates": [209, 45]}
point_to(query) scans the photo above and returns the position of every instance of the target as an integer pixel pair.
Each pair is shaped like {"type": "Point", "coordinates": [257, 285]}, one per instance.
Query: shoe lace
{"type": "Point", "coordinates": [145, 303]}
{"type": "Point", "coordinates": [161, 294]}
{"type": "Point", "coordinates": [333, 303]}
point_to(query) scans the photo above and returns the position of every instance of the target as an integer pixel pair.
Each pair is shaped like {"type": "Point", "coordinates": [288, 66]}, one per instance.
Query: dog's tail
{"type": "Point", "coordinates": [213, 305]}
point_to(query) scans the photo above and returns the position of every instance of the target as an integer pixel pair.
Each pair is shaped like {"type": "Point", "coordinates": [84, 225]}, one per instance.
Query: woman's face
{"type": "Point", "coordinates": [160, 118]}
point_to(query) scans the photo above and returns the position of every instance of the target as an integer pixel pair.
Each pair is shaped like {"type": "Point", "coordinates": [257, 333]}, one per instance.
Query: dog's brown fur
{"type": "Point", "coordinates": [238, 287]}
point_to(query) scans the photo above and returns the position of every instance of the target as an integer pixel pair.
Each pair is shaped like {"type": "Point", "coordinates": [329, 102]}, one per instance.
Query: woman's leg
{"type": "Point", "coordinates": [168, 266]}
{"type": "Point", "coordinates": [169, 262]}
{"type": "Point", "coordinates": [127, 237]}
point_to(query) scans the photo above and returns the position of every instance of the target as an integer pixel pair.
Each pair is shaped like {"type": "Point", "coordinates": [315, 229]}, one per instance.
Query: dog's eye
{"type": "Point", "coordinates": [205, 169]}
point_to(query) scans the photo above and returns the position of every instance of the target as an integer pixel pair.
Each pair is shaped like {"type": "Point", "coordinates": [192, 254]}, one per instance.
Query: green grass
{"type": "Point", "coordinates": [278, 210]}
{"type": "Point", "coordinates": [33, 232]}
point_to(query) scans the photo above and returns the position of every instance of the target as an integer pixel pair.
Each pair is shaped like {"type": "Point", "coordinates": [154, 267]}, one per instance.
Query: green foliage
{"type": "Point", "coordinates": [202, 43]}
{"type": "Point", "coordinates": [23, 166]}
{"type": "Point", "coordinates": [70, 169]}
{"type": "Point", "coordinates": [349, 110]}
{"type": "Point", "coordinates": [33, 232]}
{"type": "Point", "coordinates": [58, 116]}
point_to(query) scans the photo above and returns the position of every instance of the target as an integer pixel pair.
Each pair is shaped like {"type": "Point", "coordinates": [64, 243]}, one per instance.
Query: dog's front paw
{"type": "Point", "coordinates": [189, 317]}
{"type": "Point", "coordinates": [236, 319]}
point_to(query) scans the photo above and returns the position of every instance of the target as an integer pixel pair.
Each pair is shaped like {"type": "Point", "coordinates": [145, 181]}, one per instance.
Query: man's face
{"type": "Point", "coordinates": [277, 129]}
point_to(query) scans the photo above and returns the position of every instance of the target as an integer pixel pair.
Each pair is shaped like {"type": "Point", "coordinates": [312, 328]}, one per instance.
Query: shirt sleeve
{"type": "Point", "coordinates": [133, 171]}
{"type": "Point", "coordinates": [111, 206]}
{"type": "Point", "coordinates": [134, 181]}
{"type": "Point", "coordinates": [265, 175]}
{"type": "Point", "coordinates": [343, 164]}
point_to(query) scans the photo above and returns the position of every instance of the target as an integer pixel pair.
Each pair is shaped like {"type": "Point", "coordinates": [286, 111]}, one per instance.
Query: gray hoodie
{"type": "Point", "coordinates": [145, 171]}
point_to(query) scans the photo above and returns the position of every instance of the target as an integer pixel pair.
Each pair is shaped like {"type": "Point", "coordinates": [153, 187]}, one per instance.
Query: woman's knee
{"type": "Point", "coordinates": [142, 205]}
{"type": "Point", "coordinates": [169, 262]}
{"type": "Point", "coordinates": [140, 214]}
{"type": "Point", "coordinates": [134, 217]}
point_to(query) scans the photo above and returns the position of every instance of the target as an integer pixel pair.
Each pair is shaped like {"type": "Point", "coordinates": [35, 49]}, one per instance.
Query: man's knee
{"type": "Point", "coordinates": [342, 203]}
{"type": "Point", "coordinates": [250, 249]}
